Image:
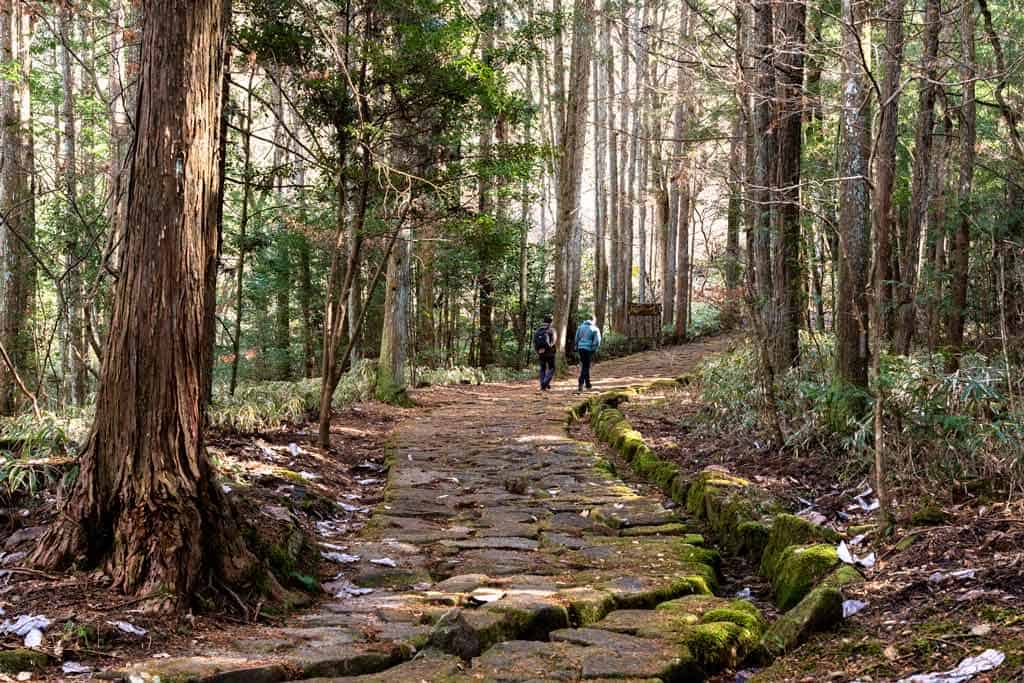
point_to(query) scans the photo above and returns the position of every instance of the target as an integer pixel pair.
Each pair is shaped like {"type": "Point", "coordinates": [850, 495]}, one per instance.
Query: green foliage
{"type": "Point", "coordinates": [36, 453]}
{"type": "Point", "coordinates": [705, 320]}
{"type": "Point", "coordinates": [258, 406]}
{"type": "Point", "coordinates": [960, 426]}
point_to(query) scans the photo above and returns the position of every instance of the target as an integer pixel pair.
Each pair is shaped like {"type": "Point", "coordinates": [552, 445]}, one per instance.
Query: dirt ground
{"type": "Point", "coordinates": [278, 479]}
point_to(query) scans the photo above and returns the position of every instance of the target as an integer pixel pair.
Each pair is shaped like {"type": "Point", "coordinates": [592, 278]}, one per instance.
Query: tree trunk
{"type": "Point", "coordinates": [787, 268]}
{"type": "Point", "coordinates": [960, 253]}
{"type": "Point", "coordinates": [734, 222]}
{"type": "Point", "coordinates": [17, 205]}
{"type": "Point", "coordinates": [571, 166]}
{"type": "Point", "coordinates": [682, 227]}
{"type": "Point", "coordinates": [600, 193]}
{"type": "Point", "coordinates": [928, 91]}
{"type": "Point", "coordinates": [764, 159]}
{"type": "Point", "coordinates": [392, 378]}
{"type": "Point", "coordinates": [677, 260]}
{"type": "Point", "coordinates": [74, 346]}
{"type": "Point", "coordinates": [145, 505]}
{"type": "Point", "coordinates": [614, 195]}
{"type": "Point", "coordinates": [283, 266]}
{"type": "Point", "coordinates": [243, 225]}
{"type": "Point", "coordinates": [854, 212]}
{"type": "Point", "coordinates": [885, 168]}
{"type": "Point", "coordinates": [933, 282]}
{"type": "Point", "coordinates": [625, 220]}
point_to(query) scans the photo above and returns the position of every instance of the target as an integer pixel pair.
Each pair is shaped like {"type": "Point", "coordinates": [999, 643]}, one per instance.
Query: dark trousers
{"type": "Point", "coordinates": [547, 369]}
{"type": "Point", "coordinates": [586, 357]}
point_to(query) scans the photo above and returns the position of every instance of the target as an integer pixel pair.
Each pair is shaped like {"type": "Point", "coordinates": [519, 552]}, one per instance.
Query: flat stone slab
{"type": "Point", "coordinates": [495, 542]}
{"type": "Point", "coordinates": [430, 667]}
{"type": "Point", "coordinates": [633, 513]}
{"type": "Point", "coordinates": [201, 670]}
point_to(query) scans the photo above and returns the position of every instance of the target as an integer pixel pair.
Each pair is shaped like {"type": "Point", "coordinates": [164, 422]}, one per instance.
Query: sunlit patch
{"type": "Point", "coordinates": [542, 438]}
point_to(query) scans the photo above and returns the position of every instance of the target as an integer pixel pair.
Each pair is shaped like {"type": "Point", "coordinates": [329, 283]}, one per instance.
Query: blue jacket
{"type": "Point", "coordinates": [588, 337]}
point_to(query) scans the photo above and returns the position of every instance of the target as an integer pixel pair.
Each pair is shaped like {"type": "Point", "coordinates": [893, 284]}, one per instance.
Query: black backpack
{"type": "Point", "coordinates": [542, 339]}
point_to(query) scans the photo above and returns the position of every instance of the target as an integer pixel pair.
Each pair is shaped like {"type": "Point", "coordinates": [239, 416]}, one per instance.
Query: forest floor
{"type": "Point", "coordinates": [491, 505]}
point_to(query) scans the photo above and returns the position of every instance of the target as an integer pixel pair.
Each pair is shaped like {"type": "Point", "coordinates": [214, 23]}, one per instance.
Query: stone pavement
{"type": "Point", "coordinates": [505, 551]}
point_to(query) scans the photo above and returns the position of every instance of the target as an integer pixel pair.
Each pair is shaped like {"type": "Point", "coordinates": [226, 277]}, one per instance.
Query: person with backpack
{"type": "Point", "coordinates": [544, 340]}
{"type": "Point", "coordinates": [588, 341]}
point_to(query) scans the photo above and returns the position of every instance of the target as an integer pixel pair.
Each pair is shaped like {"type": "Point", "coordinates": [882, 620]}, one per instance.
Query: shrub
{"type": "Point", "coordinates": [705, 320]}
{"type": "Point", "coordinates": [957, 426]}
{"type": "Point", "coordinates": [36, 452]}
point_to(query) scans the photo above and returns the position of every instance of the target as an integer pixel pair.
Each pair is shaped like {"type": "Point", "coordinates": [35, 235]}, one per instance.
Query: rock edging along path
{"type": "Point", "coordinates": [503, 551]}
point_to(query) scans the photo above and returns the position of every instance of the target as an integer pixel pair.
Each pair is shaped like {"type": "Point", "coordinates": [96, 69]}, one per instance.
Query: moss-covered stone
{"type": "Point", "coordinates": [604, 421]}
{"type": "Point", "coordinates": [820, 609]}
{"type": "Point", "coordinates": [844, 575]}
{"type": "Point", "coordinates": [22, 659]}
{"type": "Point", "coordinates": [929, 515]}
{"type": "Point", "coordinates": [678, 489]}
{"type": "Point", "coordinates": [799, 570]}
{"type": "Point", "coordinates": [663, 474]}
{"type": "Point", "coordinates": [586, 605]}
{"type": "Point", "coordinates": [752, 538]}
{"type": "Point", "coordinates": [644, 461]}
{"type": "Point", "coordinates": [717, 496]}
{"type": "Point", "coordinates": [628, 441]}
{"type": "Point", "coordinates": [672, 529]}
{"type": "Point", "coordinates": [531, 620]}
{"type": "Point", "coordinates": [719, 645]}
{"type": "Point", "coordinates": [700, 555]}
{"type": "Point", "coordinates": [788, 530]}
{"type": "Point", "coordinates": [615, 397]}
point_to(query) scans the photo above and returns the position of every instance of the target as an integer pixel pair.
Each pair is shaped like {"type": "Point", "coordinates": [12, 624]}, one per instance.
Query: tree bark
{"type": "Point", "coordinates": [928, 91]}
{"type": "Point", "coordinates": [145, 505]}
{"type": "Point", "coordinates": [787, 268]}
{"type": "Point", "coordinates": [600, 192]}
{"type": "Point", "coordinates": [17, 205]}
{"type": "Point", "coordinates": [764, 158]}
{"type": "Point", "coordinates": [571, 165]}
{"type": "Point", "coordinates": [885, 168]}
{"type": "Point", "coordinates": [243, 225]}
{"type": "Point", "coordinates": [392, 378]}
{"type": "Point", "coordinates": [960, 253]}
{"type": "Point", "coordinates": [74, 349]}
{"type": "Point", "coordinates": [614, 254]}
{"type": "Point", "coordinates": [854, 212]}
{"type": "Point", "coordinates": [283, 257]}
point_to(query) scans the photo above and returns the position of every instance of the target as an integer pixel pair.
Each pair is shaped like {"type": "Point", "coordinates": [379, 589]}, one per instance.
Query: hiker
{"type": "Point", "coordinates": [544, 344]}
{"type": "Point", "coordinates": [588, 341]}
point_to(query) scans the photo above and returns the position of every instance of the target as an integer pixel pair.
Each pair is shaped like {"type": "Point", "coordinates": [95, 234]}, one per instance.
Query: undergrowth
{"type": "Point", "coordinates": [36, 452]}
{"type": "Point", "coordinates": [950, 428]}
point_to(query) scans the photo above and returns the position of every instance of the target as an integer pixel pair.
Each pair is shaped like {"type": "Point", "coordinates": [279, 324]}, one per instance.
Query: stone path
{"type": "Point", "coordinates": [503, 551]}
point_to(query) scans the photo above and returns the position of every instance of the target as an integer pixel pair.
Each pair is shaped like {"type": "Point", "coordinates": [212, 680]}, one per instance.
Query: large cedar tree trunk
{"type": "Point", "coordinates": [145, 506]}
{"type": "Point", "coordinates": [570, 173]}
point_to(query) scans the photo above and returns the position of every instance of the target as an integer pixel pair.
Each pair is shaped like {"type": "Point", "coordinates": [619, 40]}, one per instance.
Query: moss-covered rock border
{"type": "Point", "coordinates": [797, 556]}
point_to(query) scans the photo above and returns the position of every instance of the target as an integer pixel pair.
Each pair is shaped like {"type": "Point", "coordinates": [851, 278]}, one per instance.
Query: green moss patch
{"type": "Point", "coordinates": [820, 609]}
{"type": "Point", "coordinates": [799, 569]}
{"type": "Point", "coordinates": [22, 659]}
{"type": "Point", "coordinates": [788, 530]}
{"type": "Point", "coordinates": [929, 515]}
